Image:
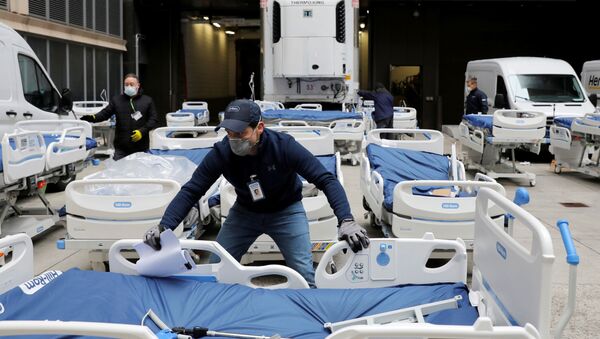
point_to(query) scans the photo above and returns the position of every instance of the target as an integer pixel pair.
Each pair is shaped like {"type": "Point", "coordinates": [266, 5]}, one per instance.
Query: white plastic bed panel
{"type": "Point", "coordinates": [348, 129]}
{"type": "Point", "coordinates": [560, 137]}
{"type": "Point", "coordinates": [426, 140]}
{"type": "Point", "coordinates": [589, 124]}
{"type": "Point", "coordinates": [269, 105]}
{"type": "Point", "coordinates": [474, 139]}
{"type": "Point", "coordinates": [309, 107]}
{"type": "Point", "coordinates": [228, 270]}
{"type": "Point", "coordinates": [26, 158]}
{"type": "Point", "coordinates": [20, 268]}
{"type": "Point", "coordinates": [195, 105]}
{"type": "Point", "coordinates": [499, 258]}
{"type": "Point", "coordinates": [180, 119]}
{"type": "Point", "coordinates": [405, 117]}
{"type": "Point", "coordinates": [81, 108]}
{"type": "Point", "coordinates": [68, 149]}
{"type": "Point", "coordinates": [515, 119]}
{"type": "Point", "coordinates": [203, 137]}
{"type": "Point", "coordinates": [318, 140]}
{"type": "Point", "coordinates": [53, 126]}
{"type": "Point", "coordinates": [75, 328]}
{"type": "Point", "coordinates": [384, 264]}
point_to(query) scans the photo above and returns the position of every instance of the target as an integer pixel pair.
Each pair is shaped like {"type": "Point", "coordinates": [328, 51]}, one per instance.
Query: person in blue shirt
{"type": "Point", "coordinates": [384, 105]}
{"type": "Point", "coordinates": [476, 101]}
{"type": "Point", "coordinates": [263, 166]}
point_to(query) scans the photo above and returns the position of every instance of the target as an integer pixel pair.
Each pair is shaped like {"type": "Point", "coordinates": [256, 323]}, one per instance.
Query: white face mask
{"type": "Point", "coordinates": [130, 90]}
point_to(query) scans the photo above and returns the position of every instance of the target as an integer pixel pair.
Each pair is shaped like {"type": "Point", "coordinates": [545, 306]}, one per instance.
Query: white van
{"type": "Point", "coordinates": [590, 78]}
{"type": "Point", "coordinates": [26, 90]}
{"type": "Point", "coordinates": [532, 84]}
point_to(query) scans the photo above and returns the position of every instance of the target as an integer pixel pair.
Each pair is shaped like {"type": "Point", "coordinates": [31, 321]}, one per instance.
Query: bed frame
{"type": "Point", "coordinates": [577, 148]}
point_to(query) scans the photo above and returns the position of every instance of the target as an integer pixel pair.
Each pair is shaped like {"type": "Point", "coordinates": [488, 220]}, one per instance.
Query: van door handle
{"type": "Point", "coordinates": [28, 115]}
{"type": "Point", "coordinates": [11, 114]}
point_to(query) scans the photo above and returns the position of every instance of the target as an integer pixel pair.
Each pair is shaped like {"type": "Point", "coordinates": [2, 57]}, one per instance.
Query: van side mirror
{"type": "Point", "coordinates": [66, 102]}
{"type": "Point", "coordinates": [594, 99]}
{"type": "Point", "coordinates": [500, 101]}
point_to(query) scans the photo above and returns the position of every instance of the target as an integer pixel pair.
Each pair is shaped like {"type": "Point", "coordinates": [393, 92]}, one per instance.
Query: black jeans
{"type": "Point", "coordinates": [385, 123]}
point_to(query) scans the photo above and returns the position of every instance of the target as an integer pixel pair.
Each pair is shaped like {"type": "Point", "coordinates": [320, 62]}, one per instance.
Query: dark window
{"type": "Point", "coordinates": [58, 10]}
{"type": "Point", "coordinates": [39, 47]}
{"type": "Point", "coordinates": [114, 70]}
{"type": "Point", "coordinates": [100, 15]}
{"type": "Point", "coordinates": [4, 4]}
{"type": "Point", "coordinates": [89, 14]}
{"type": "Point", "coordinates": [101, 72]}
{"type": "Point", "coordinates": [276, 22]}
{"type": "Point", "coordinates": [36, 87]}
{"type": "Point", "coordinates": [76, 71]}
{"type": "Point", "coordinates": [114, 17]}
{"type": "Point", "coordinates": [58, 63]}
{"type": "Point", "coordinates": [37, 8]}
{"type": "Point", "coordinates": [76, 12]}
{"type": "Point", "coordinates": [501, 89]}
{"type": "Point", "coordinates": [340, 22]}
{"type": "Point", "coordinates": [89, 74]}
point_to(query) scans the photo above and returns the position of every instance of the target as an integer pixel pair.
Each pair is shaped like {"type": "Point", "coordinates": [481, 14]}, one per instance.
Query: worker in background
{"type": "Point", "coordinates": [477, 101]}
{"type": "Point", "coordinates": [135, 118]}
{"type": "Point", "coordinates": [263, 166]}
{"type": "Point", "coordinates": [384, 106]}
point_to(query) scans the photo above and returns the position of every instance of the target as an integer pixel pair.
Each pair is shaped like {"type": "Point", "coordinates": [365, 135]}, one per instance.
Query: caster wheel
{"type": "Point", "coordinates": [532, 183]}
{"type": "Point", "coordinates": [557, 169]}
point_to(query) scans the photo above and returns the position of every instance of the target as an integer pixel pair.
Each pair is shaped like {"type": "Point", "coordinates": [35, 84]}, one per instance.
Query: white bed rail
{"type": "Point", "coordinates": [81, 108]}
{"type": "Point", "coordinates": [499, 258]}
{"type": "Point", "coordinates": [318, 140]}
{"type": "Point", "coordinates": [20, 268]}
{"type": "Point", "coordinates": [53, 126]}
{"type": "Point", "coordinates": [23, 155]}
{"type": "Point", "coordinates": [347, 126]}
{"type": "Point", "coordinates": [588, 124]}
{"type": "Point", "coordinates": [196, 105]}
{"type": "Point", "coordinates": [422, 139]}
{"type": "Point", "coordinates": [269, 105]}
{"type": "Point", "coordinates": [309, 107]}
{"type": "Point", "coordinates": [68, 149]}
{"type": "Point", "coordinates": [384, 264]}
{"type": "Point", "coordinates": [301, 123]}
{"type": "Point", "coordinates": [75, 328]}
{"type": "Point", "coordinates": [228, 270]}
{"type": "Point", "coordinates": [519, 125]}
{"type": "Point", "coordinates": [188, 137]}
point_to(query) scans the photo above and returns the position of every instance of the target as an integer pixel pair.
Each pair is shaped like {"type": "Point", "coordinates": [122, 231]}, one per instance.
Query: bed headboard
{"type": "Point", "coordinates": [318, 140]}
{"type": "Point", "coordinates": [426, 140]}
{"type": "Point", "coordinates": [185, 137]}
{"type": "Point", "coordinates": [514, 281]}
{"type": "Point", "coordinates": [20, 268]}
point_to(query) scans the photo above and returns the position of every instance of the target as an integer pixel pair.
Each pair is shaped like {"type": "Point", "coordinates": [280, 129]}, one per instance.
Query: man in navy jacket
{"type": "Point", "coordinates": [263, 167]}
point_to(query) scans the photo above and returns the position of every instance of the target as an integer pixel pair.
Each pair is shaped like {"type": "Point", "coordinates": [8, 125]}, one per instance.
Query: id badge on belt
{"type": "Point", "coordinates": [137, 115]}
{"type": "Point", "coordinates": [255, 190]}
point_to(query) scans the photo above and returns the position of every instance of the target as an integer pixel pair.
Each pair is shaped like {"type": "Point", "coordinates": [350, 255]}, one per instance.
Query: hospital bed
{"type": "Point", "coordinates": [486, 137]}
{"type": "Point", "coordinates": [192, 113]}
{"type": "Point", "coordinates": [348, 127]}
{"type": "Point", "coordinates": [96, 217]}
{"type": "Point", "coordinates": [405, 117]}
{"type": "Point", "coordinates": [575, 143]}
{"type": "Point", "coordinates": [410, 187]}
{"type": "Point", "coordinates": [321, 219]}
{"type": "Point", "coordinates": [377, 293]}
{"type": "Point", "coordinates": [104, 131]}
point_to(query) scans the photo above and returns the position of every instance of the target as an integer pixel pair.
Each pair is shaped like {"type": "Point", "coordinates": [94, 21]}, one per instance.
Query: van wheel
{"type": "Point", "coordinates": [60, 185]}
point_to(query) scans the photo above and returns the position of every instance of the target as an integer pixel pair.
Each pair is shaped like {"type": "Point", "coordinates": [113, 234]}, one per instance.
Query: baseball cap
{"type": "Point", "coordinates": [239, 114]}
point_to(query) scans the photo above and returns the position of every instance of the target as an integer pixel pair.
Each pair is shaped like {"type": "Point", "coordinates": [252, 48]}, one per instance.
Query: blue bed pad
{"type": "Point", "coordinates": [397, 165]}
{"type": "Point", "coordinates": [308, 115]}
{"type": "Point", "coordinates": [564, 121]}
{"type": "Point", "coordinates": [90, 143]}
{"type": "Point", "coordinates": [300, 314]}
{"type": "Point", "coordinates": [195, 155]}
{"type": "Point", "coordinates": [480, 120]}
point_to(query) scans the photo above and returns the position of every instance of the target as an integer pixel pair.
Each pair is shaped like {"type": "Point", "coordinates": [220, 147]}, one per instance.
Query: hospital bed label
{"type": "Point", "coordinates": [35, 284]}
{"type": "Point", "coordinates": [450, 206]}
{"type": "Point", "coordinates": [122, 204]}
{"type": "Point", "coordinates": [501, 250]}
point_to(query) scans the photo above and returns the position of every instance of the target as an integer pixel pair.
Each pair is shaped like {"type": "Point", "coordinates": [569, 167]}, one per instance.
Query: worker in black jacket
{"type": "Point", "coordinates": [136, 117]}
{"type": "Point", "coordinates": [384, 106]}
{"type": "Point", "coordinates": [477, 101]}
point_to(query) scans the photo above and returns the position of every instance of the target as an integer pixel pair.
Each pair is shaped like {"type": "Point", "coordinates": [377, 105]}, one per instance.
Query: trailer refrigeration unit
{"type": "Point", "coordinates": [310, 50]}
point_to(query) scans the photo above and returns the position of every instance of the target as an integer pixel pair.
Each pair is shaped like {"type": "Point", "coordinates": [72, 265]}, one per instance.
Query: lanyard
{"type": "Point", "coordinates": [132, 107]}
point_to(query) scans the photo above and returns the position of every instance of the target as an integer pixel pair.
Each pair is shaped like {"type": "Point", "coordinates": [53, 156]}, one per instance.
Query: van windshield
{"type": "Point", "coordinates": [546, 88]}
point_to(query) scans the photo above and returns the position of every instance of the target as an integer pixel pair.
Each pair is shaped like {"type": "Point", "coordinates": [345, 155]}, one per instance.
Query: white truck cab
{"type": "Point", "coordinates": [545, 85]}
{"type": "Point", "coordinates": [590, 78]}
{"type": "Point", "coordinates": [26, 90]}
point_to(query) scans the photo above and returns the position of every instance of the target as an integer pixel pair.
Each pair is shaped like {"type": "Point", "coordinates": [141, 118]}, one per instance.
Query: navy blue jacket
{"type": "Point", "coordinates": [477, 102]}
{"type": "Point", "coordinates": [278, 162]}
{"type": "Point", "coordinates": [384, 104]}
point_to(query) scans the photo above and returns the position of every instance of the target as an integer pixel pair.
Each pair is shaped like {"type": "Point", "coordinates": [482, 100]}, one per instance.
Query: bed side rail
{"type": "Point", "coordinates": [384, 264]}
{"type": "Point", "coordinates": [347, 126]}
{"type": "Point", "coordinates": [482, 329]}
{"type": "Point", "coordinates": [68, 149]}
{"type": "Point", "coordinates": [185, 137]}
{"type": "Point", "coordinates": [560, 137]}
{"type": "Point", "coordinates": [440, 207]}
{"type": "Point", "coordinates": [228, 270]}
{"type": "Point", "coordinates": [74, 328]}
{"type": "Point", "coordinates": [23, 155]}
{"type": "Point", "coordinates": [20, 268]}
{"type": "Point", "coordinates": [309, 107]}
{"type": "Point", "coordinates": [589, 124]}
{"type": "Point", "coordinates": [499, 258]}
{"type": "Point", "coordinates": [412, 139]}
{"type": "Point", "coordinates": [318, 140]}
{"type": "Point", "coordinates": [269, 105]}
{"type": "Point", "coordinates": [82, 201]}
{"type": "Point", "coordinates": [53, 126]}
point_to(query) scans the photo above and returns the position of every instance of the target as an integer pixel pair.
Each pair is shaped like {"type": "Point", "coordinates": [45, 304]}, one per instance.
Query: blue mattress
{"type": "Point", "coordinates": [109, 297]}
{"type": "Point", "coordinates": [195, 155]}
{"type": "Point", "coordinates": [564, 122]}
{"type": "Point", "coordinates": [308, 115]}
{"type": "Point", "coordinates": [197, 112]}
{"type": "Point", "coordinates": [90, 143]}
{"type": "Point", "coordinates": [397, 165]}
{"type": "Point", "coordinates": [480, 120]}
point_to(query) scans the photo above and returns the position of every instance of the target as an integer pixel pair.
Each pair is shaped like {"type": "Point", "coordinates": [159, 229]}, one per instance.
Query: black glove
{"type": "Point", "coordinates": [88, 118]}
{"type": "Point", "coordinates": [152, 237]}
{"type": "Point", "coordinates": [354, 234]}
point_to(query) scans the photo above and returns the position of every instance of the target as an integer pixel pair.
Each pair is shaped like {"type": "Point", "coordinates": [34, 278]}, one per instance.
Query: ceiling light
{"type": "Point", "coordinates": [205, 18]}
{"type": "Point", "coordinates": [362, 25]}
{"type": "Point", "coordinates": [216, 24]}
{"type": "Point", "coordinates": [230, 32]}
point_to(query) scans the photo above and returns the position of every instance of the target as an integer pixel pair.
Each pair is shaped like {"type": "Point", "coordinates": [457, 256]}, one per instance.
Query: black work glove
{"type": "Point", "coordinates": [88, 118]}
{"type": "Point", "coordinates": [354, 234]}
{"type": "Point", "coordinates": [152, 237]}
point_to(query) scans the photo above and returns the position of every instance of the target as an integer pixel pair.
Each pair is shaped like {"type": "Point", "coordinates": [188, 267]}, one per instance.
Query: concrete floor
{"type": "Point", "coordinates": [551, 190]}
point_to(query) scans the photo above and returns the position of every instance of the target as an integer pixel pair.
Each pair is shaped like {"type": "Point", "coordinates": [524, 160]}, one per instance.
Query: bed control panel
{"type": "Point", "coordinates": [382, 260]}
